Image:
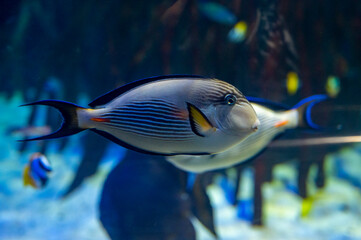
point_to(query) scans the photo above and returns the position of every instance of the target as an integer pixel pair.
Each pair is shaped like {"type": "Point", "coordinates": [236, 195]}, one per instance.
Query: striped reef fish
{"type": "Point", "coordinates": [36, 172]}
{"type": "Point", "coordinates": [273, 123]}
{"type": "Point", "coordinates": [167, 115]}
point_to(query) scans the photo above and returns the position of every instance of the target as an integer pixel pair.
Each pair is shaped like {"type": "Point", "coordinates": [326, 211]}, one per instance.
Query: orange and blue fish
{"type": "Point", "coordinates": [36, 172]}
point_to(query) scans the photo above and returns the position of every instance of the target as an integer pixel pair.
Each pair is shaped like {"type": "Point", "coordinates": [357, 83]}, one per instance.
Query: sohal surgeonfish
{"type": "Point", "coordinates": [273, 123]}
{"type": "Point", "coordinates": [36, 172]}
{"type": "Point", "coordinates": [167, 115]}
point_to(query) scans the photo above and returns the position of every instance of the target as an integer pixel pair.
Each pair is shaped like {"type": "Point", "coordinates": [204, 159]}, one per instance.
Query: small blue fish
{"type": "Point", "coordinates": [167, 115]}
{"type": "Point", "coordinates": [36, 172]}
{"type": "Point", "coordinates": [217, 12]}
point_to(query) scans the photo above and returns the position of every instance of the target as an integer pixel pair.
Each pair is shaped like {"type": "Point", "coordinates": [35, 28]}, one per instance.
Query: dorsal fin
{"type": "Point", "coordinates": [104, 99]}
{"type": "Point", "coordinates": [267, 103]}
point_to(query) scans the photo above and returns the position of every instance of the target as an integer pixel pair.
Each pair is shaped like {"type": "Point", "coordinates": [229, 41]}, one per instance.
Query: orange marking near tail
{"type": "Point", "coordinates": [100, 119]}
{"type": "Point", "coordinates": [182, 114]}
{"type": "Point", "coordinates": [281, 123]}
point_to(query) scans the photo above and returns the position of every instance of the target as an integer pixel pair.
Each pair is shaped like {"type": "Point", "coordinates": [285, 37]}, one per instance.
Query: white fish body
{"type": "Point", "coordinates": [179, 136]}
{"type": "Point", "coordinates": [167, 116]}
{"type": "Point", "coordinates": [273, 123]}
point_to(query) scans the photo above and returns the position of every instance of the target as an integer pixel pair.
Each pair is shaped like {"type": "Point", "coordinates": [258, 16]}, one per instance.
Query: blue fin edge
{"type": "Point", "coordinates": [267, 103]}
{"type": "Point", "coordinates": [315, 98]}
{"type": "Point", "coordinates": [311, 101]}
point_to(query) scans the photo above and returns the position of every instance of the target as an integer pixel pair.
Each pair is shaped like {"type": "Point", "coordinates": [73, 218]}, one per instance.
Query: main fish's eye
{"type": "Point", "coordinates": [230, 99]}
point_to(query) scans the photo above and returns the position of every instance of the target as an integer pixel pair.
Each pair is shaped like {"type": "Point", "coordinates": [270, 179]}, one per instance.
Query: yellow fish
{"type": "Point", "coordinates": [292, 83]}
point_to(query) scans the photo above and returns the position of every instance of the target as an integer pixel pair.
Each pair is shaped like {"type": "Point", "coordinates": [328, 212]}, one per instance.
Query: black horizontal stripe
{"type": "Point", "coordinates": [153, 134]}
{"type": "Point", "coordinates": [160, 109]}
{"type": "Point", "coordinates": [154, 101]}
{"type": "Point", "coordinates": [154, 118]}
{"type": "Point", "coordinates": [150, 123]}
{"type": "Point", "coordinates": [141, 112]}
{"type": "Point", "coordinates": [148, 106]}
{"type": "Point", "coordinates": [152, 128]}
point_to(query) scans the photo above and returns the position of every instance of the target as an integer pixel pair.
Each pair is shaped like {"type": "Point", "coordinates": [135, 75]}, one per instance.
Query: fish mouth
{"type": "Point", "coordinates": [256, 125]}
{"type": "Point", "coordinates": [248, 121]}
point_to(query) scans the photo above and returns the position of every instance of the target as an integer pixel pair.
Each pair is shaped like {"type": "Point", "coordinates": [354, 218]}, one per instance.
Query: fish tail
{"type": "Point", "coordinates": [70, 119]}
{"type": "Point", "coordinates": [304, 109]}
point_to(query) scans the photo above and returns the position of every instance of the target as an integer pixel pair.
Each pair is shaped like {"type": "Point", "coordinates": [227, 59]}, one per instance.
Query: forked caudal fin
{"type": "Point", "coordinates": [70, 119]}
{"type": "Point", "coordinates": [304, 109]}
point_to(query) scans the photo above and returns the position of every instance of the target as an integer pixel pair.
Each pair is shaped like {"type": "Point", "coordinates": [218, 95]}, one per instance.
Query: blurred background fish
{"type": "Point", "coordinates": [216, 12]}
{"type": "Point", "coordinates": [36, 172]}
{"type": "Point", "coordinates": [238, 33]}
{"type": "Point", "coordinates": [292, 83]}
{"type": "Point", "coordinates": [333, 86]}
{"type": "Point", "coordinates": [220, 14]}
{"type": "Point", "coordinates": [28, 132]}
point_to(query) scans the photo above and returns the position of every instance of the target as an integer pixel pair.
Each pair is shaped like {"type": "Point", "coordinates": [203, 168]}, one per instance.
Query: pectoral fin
{"type": "Point", "coordinates": [199, 122]}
